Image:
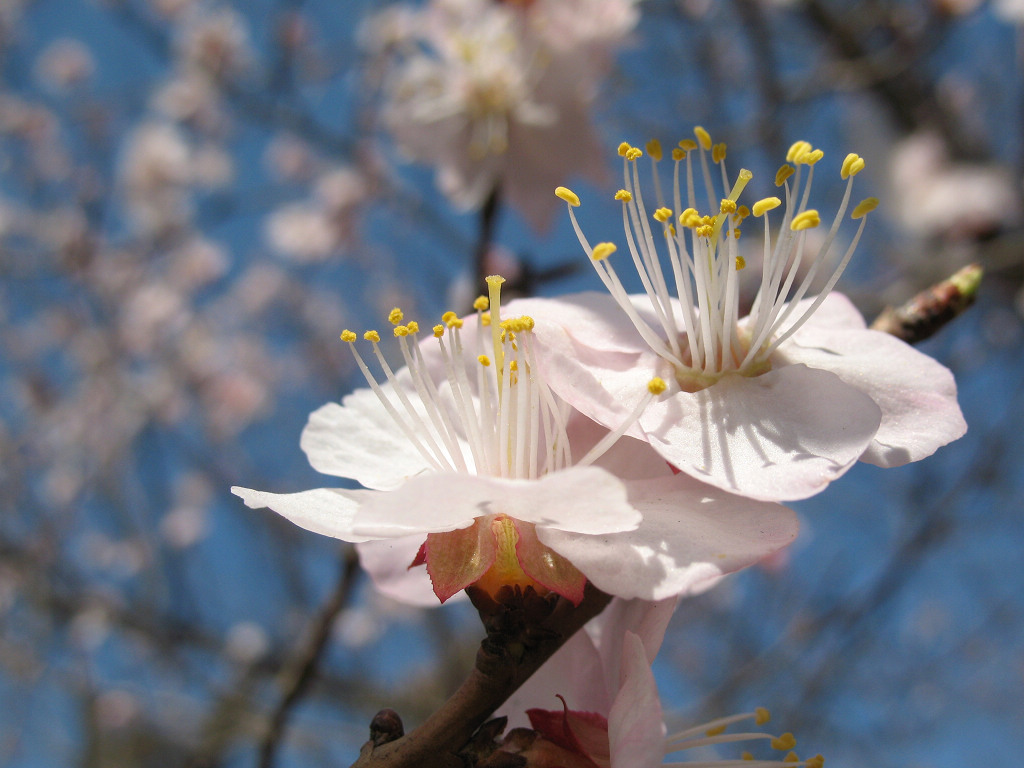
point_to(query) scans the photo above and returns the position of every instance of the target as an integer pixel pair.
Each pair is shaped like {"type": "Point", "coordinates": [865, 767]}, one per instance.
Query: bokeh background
{"type": "Point", "coordinates": [197, 196]}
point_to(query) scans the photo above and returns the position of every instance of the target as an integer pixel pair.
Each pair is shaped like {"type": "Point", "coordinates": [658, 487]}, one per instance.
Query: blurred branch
{"type": "Point", "coordinates": [931, 309]}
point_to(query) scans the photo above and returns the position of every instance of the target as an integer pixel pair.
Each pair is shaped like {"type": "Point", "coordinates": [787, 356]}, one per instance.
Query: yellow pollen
{"type": "Point", "coordinates": [395, 316]}
{"type": "Point", "coordinates": [623, 195]}
{"type": "Point", "coordinates": [746, 755]}
{"type": "Point", "coordinates": [481, 303]}
{"type": "Point", "coordinates": [372, 336]}
{"type": "Point", "coordinates": [485, 319]}
{"type": "Point", "coordinates": [348, 336]}
{"type": "Point", "coordinates": [718, 152]}
{"type": "Point", "coordinates": [663, 214]}
{"type": "Point", "coordinates": [690, 218]}
{"type": "Point", "coordinates": [602, 251]}
{"type": "Point", "coordinates": [852, 165]}
{"type": "Point", "coordinates": [634, 153]}
{"type": "Point", "coordinates": [687, 145]}
{"type": "Point", "coordinates": [401, 330]}
{"type": "Point", "coordinates": [671, 230]}
{"type": "Point", "coordinates": [728, 206]}
{"type": "Point", "coordinates": [783, 173]}
{"type": "Point", "coordinates": [656, 385]}
{"type": "Point", "coordinates": [792, 757]}
{"type": "Point", "coordinates": [513, 366]}
{"type": "Point", "coordinates": [438, 331]}
{"type": "Point", "coordinates": [653, 148]}
{"type": "Point", "coordinates": [715, 731]}
{"type": "Point", "coordinates": [797, 150]}
{"type": "Point", "coordinates": [413, 326]}
{"type": "Point", "coordinates": [864, 207]}
{"type": "Point", "coordinates": [741, 263]}
{"type": "Point", "coordinates": [784, 742]}
{"type": "Point", "coordinates": [811, 157]}
{"type": "Point", "coordinates": [742, 212]}
{"type": "Point", "coordinates": [703, 137]}
{"type": "Point", "coordinates": [761, 207]}
{"type": "Point", "coordinates": [736, 234]}
{"type": "Point", "coordinates": [484, 360]}
{"type": "Point", "coordinates": [705, 230]}
{"type": "Point", "coordinates": [815, 762]}
{"type": "Point", "coordinates": [568, 195]}
{"type": "Point", "coordinates": [678, 154]}
{"type": "Point", "coordinates": [761, 715]}
{"type": "Point", "coordinates": [624, 148]}
{"type": "Point", "coordinates": [809, 219]}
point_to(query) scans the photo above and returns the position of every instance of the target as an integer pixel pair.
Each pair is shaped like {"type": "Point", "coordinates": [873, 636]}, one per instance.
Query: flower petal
{"type": "Point", "coordinates": [691, 535]}
{"type": "Point", "coordinates": [636, 731]}
{"type": "Point", "coordinates": [360, 440]}
{"type": "Point", "coordinates": [387, 561]}
{"type": "Point", "coordinates": [328, 511]}
{"type": "Point", "coordinates": [581, 499]}
{"type": "Point", "coordinates": [917, 395]}
{"type": "Point", "coordinates": [783, 435]}
{"type": "Point", "coordinates": [456, 559]}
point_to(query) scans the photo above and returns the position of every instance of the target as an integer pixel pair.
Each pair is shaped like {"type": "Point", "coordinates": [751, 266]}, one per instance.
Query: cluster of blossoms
{"type": "Point", "coordinates": [639, 442]}
{"type": "Point", "coordinates": [498, 94]}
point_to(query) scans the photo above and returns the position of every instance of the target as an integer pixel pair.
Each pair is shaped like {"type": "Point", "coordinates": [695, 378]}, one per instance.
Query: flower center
{"type": "Point", "coordinates": [693, 320]}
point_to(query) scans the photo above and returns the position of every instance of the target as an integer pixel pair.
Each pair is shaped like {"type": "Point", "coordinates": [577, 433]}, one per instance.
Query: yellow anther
{"type": "Point", "coordinates": [784, 742]}
{"type": "Point", "coordinates": [624, 147]}
{"type": "Point", "coordinates": [736, 234]}
{"type": "Point", "coordinates": [809, 219]}
{"type": "Point", "coordinates": [634, 153]}
{"type": "Point", "coordinates": [603, 251]}
{"type": "Point", "coordinates": [797, 150]}
{"type": "Point", "coordinates": [815, 762]}
{"type": "Point", "coordinates": [864, 207]}
{"type": "Point", "coordinates": [728, 206]}
{"type": "Point", "coordinates": [481, 303]}
{"type": "Point", "coordinates": [746, 755]}
{"type": "Point", "coordinates": [663, 214]}
{"type": "Point", "coordinates": [792, 757]}
{"type": "Point", "coordinates": [438, 331]}
{"type": "Point", "coordinates": [395, 316]}
{"type": "Point", "coordinates": [518, 324]}
{"type": "Point", "coordinates": [568, 195]}
{"type": "Point", "coordinates": [653, 148]}
{"type": "Point", "coordinates": [761, 207]}
{"type": "Point", "coordinates": [742, 212]}
{"type": "Point", "coordinates": [484, 360]}
{"type": "Point", "coordinates": [687, 145]}
{"type": "Point", "coordinates": [762, 715]}
{"type": "Point", "coordinates": [348, 336]}
{"type": "Point", "coordinates": [485, 318]}
{"type": "Point", "coordinates": [703, 137]}
{"type": "Point", "coordinates": [718, 152]}
{"type": "Point", "coordinates": [372, 336]}
{"type": "Point", "coordinates": [678, 154]}
{"type": "Point", "coordinates": [708, 219]}
{"type": "Point", "coordinates": [686, 218]}
{"type": "Point", "coordinates": [670, 231]}
{"type": "Point", "coordinates": [401, 330]}
{"type": "Point", "coordinates": [741, 263]}
{"type": "Point", "coordinates": [783, 173]}
{"type": "Point", "coordinates": [705, 230]}
{"type": "Point", "coordinates": [717, 731]}
{"type": "Point", "coordinates": [448, 317]}
{"type": "Point", "coordinates": [513, 366]}
{"type": "Point", "coordinates": [656, 385]}
{"type": "Point", "coordinates": [413, 326]}
{"type": "Point", "coordinates": [812, 157]}
{"type": "Point", "coordinates": [624, 196]}
{"type": "Point", "coordinates": [852, 165]}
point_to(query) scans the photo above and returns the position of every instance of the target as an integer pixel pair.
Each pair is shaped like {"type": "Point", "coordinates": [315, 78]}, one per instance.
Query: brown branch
{"type": "Point", "coordinates": [516, 646]}
{"type": "Point", "coordinates": [298, 675]}
{"type": "Point", "coordinates": [931, 309]}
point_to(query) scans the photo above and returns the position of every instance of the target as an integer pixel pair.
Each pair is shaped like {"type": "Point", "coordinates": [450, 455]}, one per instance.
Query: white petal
{"type": "Point", "coordinates": [328, 511]}
{"type": "Point", "coordinates": [636, 731]}
{"type": "Point", "coordinates": [387, 561]}
{"type": "Point", "coordinates": [690, 536]}
{"type": "Point", "coordinates": [593, 319]}
{"type": "Point", "coordinates": [836, 312]}
{"type": "Point", "coordinates": [582, 499]}
{"type": "Point", "coordinates": [917, 395]}
{"type": "Point", "coordinates": [359, 440]}
{"type": "Point", "coordinates": [783, 435]}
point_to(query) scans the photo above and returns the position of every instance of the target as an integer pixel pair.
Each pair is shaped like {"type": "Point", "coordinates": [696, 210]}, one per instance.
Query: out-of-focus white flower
{"type": "Point", "coordinates": [246, 642]}
{"type": "Point", "coordinates": [316, 229]}
{"type": "Point", "coordinates": [215, 42]}
{"type": "Point", "coordinates": [1011, 10]}
{"type": "Point", "coordinates": [478, 472]}
{"type": "Point", "coordinates": [65, 63]}
{"type": "Point", "coordinates": [774, 405]}
{"type": "Point", "coordinates": [155, 171]}
{"type": "Point", "coordinates": [498, 96]}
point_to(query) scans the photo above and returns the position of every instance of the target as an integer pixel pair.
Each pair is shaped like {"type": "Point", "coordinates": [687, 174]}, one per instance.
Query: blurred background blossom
{"type": "Point", "coordinates": [196, 196]}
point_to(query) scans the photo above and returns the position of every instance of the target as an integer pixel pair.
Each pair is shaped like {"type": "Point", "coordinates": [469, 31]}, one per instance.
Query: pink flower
{"type": "Point", "coordinates": [472, 467]}
{"type": "Point", "coordinates": [774, 405]}
{"type": "Point", "coordinates": [607, 669]}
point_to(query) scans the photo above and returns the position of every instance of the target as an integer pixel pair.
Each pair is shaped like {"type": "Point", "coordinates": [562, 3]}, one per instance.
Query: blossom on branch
{"type": "Point", "coordinates": [773, 405]}
{"type": "Point", "coordinates": [472, 467]}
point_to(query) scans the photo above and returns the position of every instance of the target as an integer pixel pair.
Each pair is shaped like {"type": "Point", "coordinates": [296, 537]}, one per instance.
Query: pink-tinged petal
{"type": "Point", "coordinates": [783, 435]}
{"type": "Point", "coordinates": [917, 394]}
{"type": "Point", "coordinates": [636, 731]}
{"type": "Point", "coordinates": [546, 567]}
{"type": "Point", "coordinates": [627, 459]}
{"type": "Point", "coordinates": [582, 499]}
{"type": "Point", "coordinates": [327, 511]}
{"type": "Point", "coordinates": [458, 558]}
{"type": "Point", "coordinates": [646, 619]}
{"type": "Point", "coordinates": [691, 535]}
{"type": "Point", "coordinates": [387, 561]}
{"type": "Point", "coordinates": [582, 733]}
{"type": "Point", "coordinates": [359, 440]}
{"type": "Point", "coordinates": [835, 312]}
{"type": "Point", "coordinates": [593, 319]}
